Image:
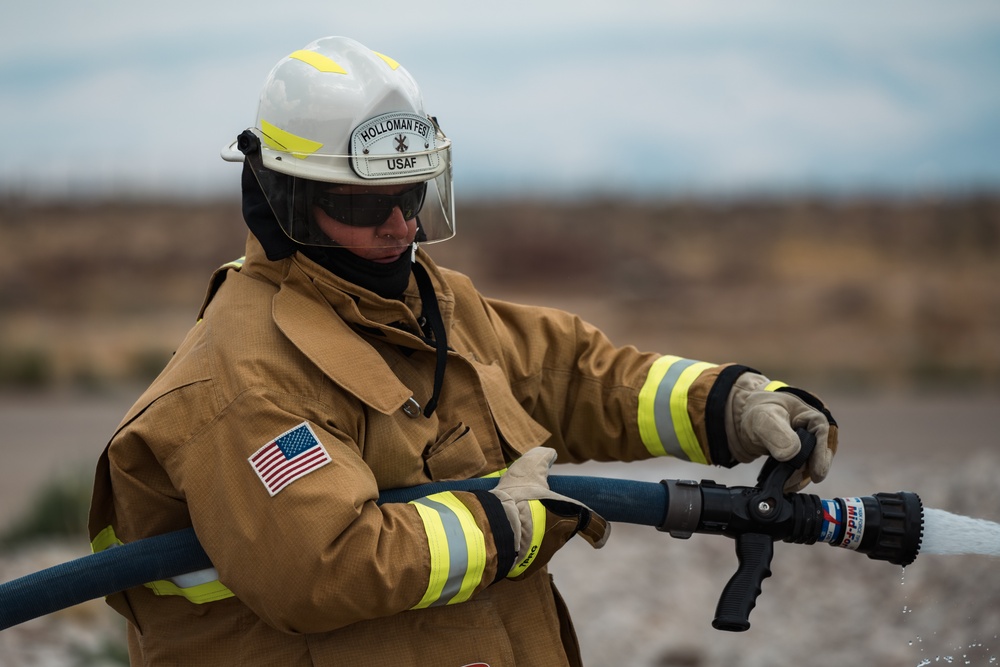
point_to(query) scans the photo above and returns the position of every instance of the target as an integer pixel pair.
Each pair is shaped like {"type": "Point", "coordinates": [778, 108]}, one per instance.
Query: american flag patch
{"type": "Point", "coordinates": [293, 454]}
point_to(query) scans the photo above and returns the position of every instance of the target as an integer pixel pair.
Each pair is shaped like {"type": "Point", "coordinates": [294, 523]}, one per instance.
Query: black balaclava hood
{"type": "Point", "coordinates": [261, 220]}
{"type": "Point", "coordinates": [387, 280]}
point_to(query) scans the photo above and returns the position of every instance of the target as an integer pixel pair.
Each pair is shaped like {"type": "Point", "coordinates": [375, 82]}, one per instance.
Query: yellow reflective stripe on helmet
{"type": "Point", "coordinates": [209, 588]}
{"type": "Point", "coordinates": [319, 61]}
{"type": "Point", "coordinates": [774, 385]}
{"type": "Point", "coordinates": [537, 534]}
{"type": "Point", "coordinates": [389, 61]}
{"type": "Point", "coordinates": [457, 549]}
{"type": "Point", "coordinates": [280, 140]}
{"type": "Point", "coordinates": [664, 424]}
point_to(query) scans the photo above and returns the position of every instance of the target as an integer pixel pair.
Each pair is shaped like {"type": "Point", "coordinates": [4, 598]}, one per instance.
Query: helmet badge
{"type": "Point", "coordinates": [380, 147]}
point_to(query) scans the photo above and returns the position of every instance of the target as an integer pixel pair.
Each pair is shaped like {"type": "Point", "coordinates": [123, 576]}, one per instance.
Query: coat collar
{"type": "Point", "coordinates": [322, 314]}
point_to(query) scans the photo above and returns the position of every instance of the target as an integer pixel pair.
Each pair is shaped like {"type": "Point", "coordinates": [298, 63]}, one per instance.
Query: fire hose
{"type": "Point", "coordinates": [885, 526]}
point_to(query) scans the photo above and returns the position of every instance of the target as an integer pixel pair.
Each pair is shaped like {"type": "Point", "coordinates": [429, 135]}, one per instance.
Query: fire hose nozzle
{"type": "Point", "coordinates": [886, 526]}
{"type": "Point", "coordinates": [902, 528]}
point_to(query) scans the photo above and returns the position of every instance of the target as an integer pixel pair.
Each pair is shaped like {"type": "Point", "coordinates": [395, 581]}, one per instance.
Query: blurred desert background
{"type": "Point", "coordinates": [857, 294]}
{"type": "Point", "coordinates": [889, 308]}
{"type": "Point", "coordinates": [812, 190]}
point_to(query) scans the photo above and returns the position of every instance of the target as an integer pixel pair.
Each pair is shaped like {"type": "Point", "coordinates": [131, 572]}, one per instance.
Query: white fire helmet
{"type": "Point", "coordinates": [336, 114]}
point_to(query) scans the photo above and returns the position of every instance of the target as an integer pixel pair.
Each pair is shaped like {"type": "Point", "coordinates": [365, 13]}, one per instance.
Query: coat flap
{"type": "Point", "coordinates": [311, 324]}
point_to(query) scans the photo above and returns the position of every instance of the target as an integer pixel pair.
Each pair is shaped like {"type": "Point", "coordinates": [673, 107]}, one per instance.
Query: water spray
{"type": "Point", "coordinates": [886, 526]}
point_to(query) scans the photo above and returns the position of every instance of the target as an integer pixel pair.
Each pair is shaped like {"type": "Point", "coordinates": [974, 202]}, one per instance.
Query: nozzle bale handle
{"type": "Point", "coordinates": [739, 597]}
{"type": "Point", "coordinates": [765, 507]}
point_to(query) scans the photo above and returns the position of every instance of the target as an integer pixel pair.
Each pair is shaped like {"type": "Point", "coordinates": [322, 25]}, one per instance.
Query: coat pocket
{"type": "Point", "coordinates": [517, 428]}
{"type": "Point", "coordinates": [456, 455]}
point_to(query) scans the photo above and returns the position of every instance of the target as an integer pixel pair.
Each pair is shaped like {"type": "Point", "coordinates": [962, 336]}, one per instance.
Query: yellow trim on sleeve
{"type": "Point", "coordinates": [105, 540]}
{"type": "Point", "coordinates": [647, 413]}
{"type": "Point", "coordinates": [537, 535]}
{"type": "Point", "coordinates": [210, 591]}
{"type": "Point", "coordinates": [663, 403]}
{"type": "Point", "coordinates": [774, 385]}
{"type": "Point", "coordinates": [475, 543]}
{"type": "Point", "coordinates": [682, 420]}
{"type": "Point", "coordinates": [437, 544]}
{"type": "Point", "coordinates": [457, 548]}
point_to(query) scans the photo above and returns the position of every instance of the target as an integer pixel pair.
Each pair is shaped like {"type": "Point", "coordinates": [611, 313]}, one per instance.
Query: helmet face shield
{"type": "Point", "coordinates": [357, 214]}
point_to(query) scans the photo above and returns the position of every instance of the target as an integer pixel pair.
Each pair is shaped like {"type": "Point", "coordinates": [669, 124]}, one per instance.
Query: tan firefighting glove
{"type": "Point", "coordinates": [543, 520]}
{"type": "Point", "coordinates": [761, 418]}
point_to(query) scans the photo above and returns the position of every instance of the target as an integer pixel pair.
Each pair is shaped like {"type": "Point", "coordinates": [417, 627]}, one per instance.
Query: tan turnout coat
{"type": "Point", "coordinates": [319, 574]}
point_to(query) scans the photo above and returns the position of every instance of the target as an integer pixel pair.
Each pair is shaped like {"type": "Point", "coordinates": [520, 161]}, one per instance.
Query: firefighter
{"type": "Point", "coordinates": [336, 360]}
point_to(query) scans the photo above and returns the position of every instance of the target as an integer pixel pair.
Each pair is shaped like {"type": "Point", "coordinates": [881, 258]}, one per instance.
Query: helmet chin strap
{"type": "Point", "coordinates": [432, 312]}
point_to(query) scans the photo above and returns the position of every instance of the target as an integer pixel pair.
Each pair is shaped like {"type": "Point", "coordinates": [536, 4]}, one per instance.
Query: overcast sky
{"type": "Point", "coordinates": [542, 96]}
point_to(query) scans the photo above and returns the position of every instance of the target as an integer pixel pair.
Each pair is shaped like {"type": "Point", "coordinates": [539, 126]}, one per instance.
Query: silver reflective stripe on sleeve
{"type": "Point", "coordinates": [457, 549]}
{"type": "Point", "coordinates": [196, 578]}
{"type": "Point", "coordinates": [458, 554]}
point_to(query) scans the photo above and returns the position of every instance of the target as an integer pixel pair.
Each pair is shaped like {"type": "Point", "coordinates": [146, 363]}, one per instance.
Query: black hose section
{"type": "Point", "coordinates": [179, 552]}
{"type": "Point", "coordinates": [100, 574]}
{"type": "Point", "coordinates": [617, 500]}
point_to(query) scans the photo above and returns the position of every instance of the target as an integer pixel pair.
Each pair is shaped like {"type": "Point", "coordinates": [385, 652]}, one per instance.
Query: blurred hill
{"type": "Point", "coordinates": [861, 293]}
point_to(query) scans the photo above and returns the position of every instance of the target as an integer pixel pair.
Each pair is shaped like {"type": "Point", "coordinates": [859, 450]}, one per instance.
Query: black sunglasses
{"type": "Point", "coordinates": [371, 210]}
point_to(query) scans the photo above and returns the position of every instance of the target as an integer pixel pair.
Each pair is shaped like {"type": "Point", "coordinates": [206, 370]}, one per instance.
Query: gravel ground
{"type": "Point", "coordinates": [647, 599]}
